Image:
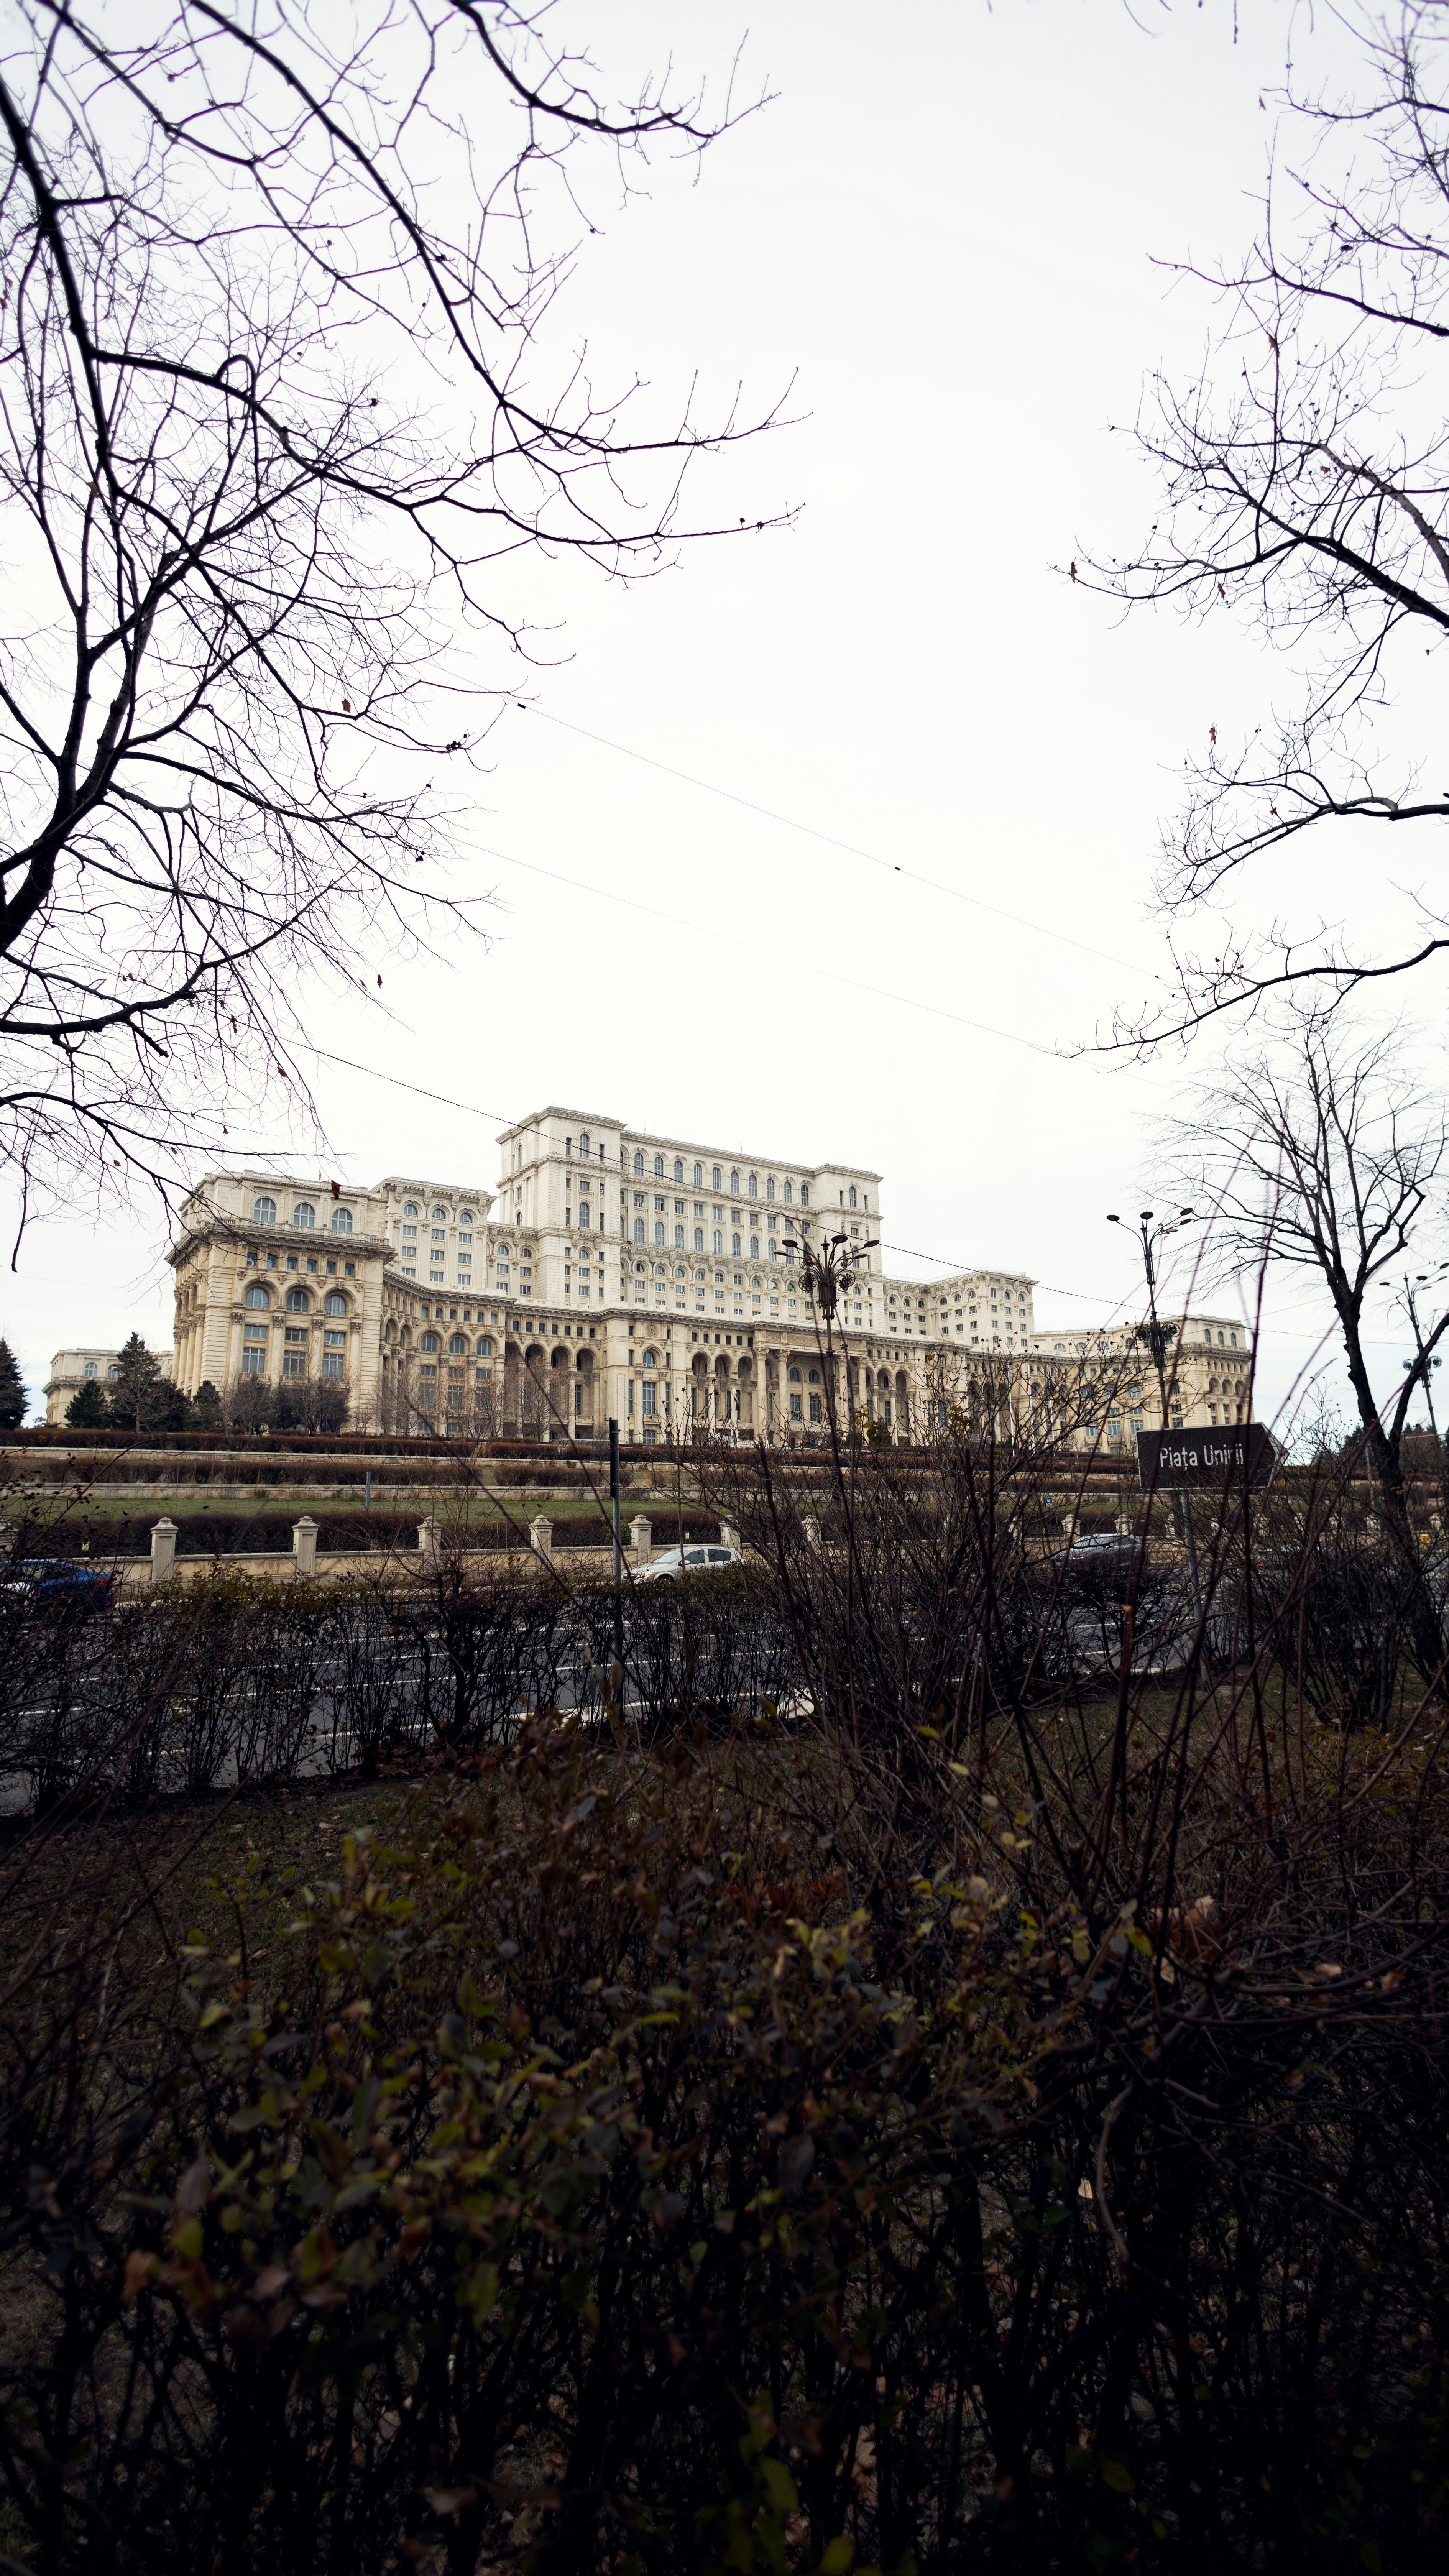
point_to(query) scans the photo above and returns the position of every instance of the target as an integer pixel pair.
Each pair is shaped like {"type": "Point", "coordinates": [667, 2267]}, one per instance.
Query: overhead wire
{"type": "Point", "coordinates": [832, 840]}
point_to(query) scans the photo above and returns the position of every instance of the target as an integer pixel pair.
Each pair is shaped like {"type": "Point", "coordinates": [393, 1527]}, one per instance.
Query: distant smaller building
{"type": "Point", "coordinates": [71, 1370]}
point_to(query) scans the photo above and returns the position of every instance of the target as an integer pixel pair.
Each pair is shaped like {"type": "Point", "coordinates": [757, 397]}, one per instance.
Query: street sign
{"type": "Point", "coordinates": [1170, 1462]}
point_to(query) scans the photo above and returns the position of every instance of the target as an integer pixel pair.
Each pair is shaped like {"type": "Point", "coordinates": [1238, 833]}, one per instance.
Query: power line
{"type": "Point", "coordinates": [828, 974]}
{"type": "Point", "coordinates": [791, 823]}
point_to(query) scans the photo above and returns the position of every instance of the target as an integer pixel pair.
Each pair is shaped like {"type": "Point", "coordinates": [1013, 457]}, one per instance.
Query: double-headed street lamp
{"type": "Point", "coordinates": [1158, 1335]}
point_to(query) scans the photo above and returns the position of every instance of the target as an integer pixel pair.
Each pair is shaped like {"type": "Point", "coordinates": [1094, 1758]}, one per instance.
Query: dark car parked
{"type": "Point", "coordinates": [1101, 1562]}
{"type": "Point", "coordinates": [53, 1581]}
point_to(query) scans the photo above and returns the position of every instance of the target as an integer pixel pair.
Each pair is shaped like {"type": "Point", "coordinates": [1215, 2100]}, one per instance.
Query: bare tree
{"type": "Point", "coordinates": [1304, 475]}
{"type": "Point", "coordinates": [1319, 1153]}
{"type": "Point", "coordinates": [280, 390]}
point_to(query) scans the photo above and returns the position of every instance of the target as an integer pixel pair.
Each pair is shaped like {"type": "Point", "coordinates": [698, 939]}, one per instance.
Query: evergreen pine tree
{"type": "Point", "coordinates": [140, 1397]}
{"type": "Point", "coordinates": [206, 1407]}
{"type": "Point", "coordinates": [12, 1391]}
{"type": "Point", "coordinates": [87, 1409]}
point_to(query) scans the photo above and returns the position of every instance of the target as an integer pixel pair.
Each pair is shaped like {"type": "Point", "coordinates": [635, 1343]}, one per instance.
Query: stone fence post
{"type": "Point", "coordinates": [540, 1538]}
{"type": "Point", "coordinates": [429, 1549]}
{"type": "Point", "coordinates": [811, 1526]}
{"type": "Point", "coordinates": [163, 1550]}
{"type": "Point", "coordinates": [641, 1535]}
{"type": "Point", "coordinates": [729, 1536]}
{"type": "Point", "coordinates": [304, 1546]}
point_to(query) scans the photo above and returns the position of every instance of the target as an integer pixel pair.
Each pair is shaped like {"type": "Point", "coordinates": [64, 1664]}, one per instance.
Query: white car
{"type": "Point", "coordinates": [675, 1561]}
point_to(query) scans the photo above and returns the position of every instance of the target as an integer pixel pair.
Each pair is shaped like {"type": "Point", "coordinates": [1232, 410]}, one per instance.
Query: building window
{"type": "Point", "coordinates": [754, 1185]}
{"type": "Point", "coordinates": [815, 1408]}
{"type": "Point", "coordinates": [852, 1193]}
{"type": "Point", "coordinates": [734, 1184]}
{"type": "Point", "coordinates": [679, 1238]}
{"type": "Point", "coordinates": [754, 1247]}
{"type": "Point", "coordinates": [257, 1295]}
{"type": "Point", "coordinates": [583, 1216]}
{"type": "Point", "coordinates": [429, 1342]}
{"type": "Point", "coordinates": [735, 1246]}
{"type": "Point", "coordinates": [789, 1194]}
{"type": "Point", "coordinates": [638, 1229]}
{"type": "Point", "coordinates": [90, 1369]}
{"type": "Point", "coordinates": [638, 1167]}
{"type": "Point", "coordinates": [647, 1401]}
{"type": "Point", "coordinates": [298, 1301]}
{"type": "Point", "coordinates": [334, 1303]}
{"type": "Point", "coordinates": [333, 1364]}
{"type": "Point", "coordinates": [410, 1207]}
{"type": "Point", "coordinates": [699, 1238]}
{"type": "Point", "coordinates": [678, 1169]}
{"type": "Point", "coordinates": [304, 1215]}
{"type": "Point", "coordinates": [715, 1182]}
{"type": "Point", "coordinates": [264, 1211]}
{"type": "Point", "coordinates": [485, 1349]}
{"type": "Point", "coordinates": [295, 1333]}
{"type": "Point", "coordinates": [254, 1362]}
{"type": "Point", "coordinates": [465, 1216]}
{"type": "Point", "coordinates": [795, 1413]}
{"type": "Point", "coordinates": [334, 1341]}
{"type": "Point", "coordinates": [342, 1220]}
{"type": "Point", "coordinates": [583, 1144]}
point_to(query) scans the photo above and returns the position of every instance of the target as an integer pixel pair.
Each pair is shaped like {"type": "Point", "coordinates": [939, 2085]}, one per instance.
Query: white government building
{"type": "Point", "coordinates": [613, 1272]}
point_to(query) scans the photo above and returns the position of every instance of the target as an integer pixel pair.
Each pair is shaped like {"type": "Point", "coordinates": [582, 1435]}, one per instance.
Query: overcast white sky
{"type": "Point", "coordinates": [943, 230]}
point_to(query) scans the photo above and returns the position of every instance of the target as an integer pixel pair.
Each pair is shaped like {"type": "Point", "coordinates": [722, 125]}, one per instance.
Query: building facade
{"type": "Point", "coordinates": [612, 1272]}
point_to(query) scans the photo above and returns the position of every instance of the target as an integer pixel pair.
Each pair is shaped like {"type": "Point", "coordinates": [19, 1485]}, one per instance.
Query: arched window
{"type": "Point", "coordinates": [264, 1211]}
{"type": "Point", "coordinates": [804, 1194]}
{"type": "Point", "coordinates": [815, 1377]}
{"type": "Point", "coordinates": [735, 1245]}
{"type": "Point", "coordinates": [734, 1185]}
{"type": "Point", "coordinates": [678, 1169]}
{"type": "Point", "coordinates": [465, 1216]}
{"type": "Point", "coordinates": [659, 1234]}
{"type": "Point", "coordinates": [440, 1216]}
{"type": "Point", "coordinates": [770, 1187]}
{"type": "Point", "coordinates": [699, 1238]}
{"type": "Point", "coordinates": [852, 1193]}
{"type": "Point", "coordinates": [503, 1252]}
{"type": "Point", "coordinates": [429, 1342]}
{"type": "Point", "coordinates": [583, 1214]}
{"type": "Point", "coordinates": [298, 1301]}
{"type": "Point", "coordinates": [754, 1185]}
{"type": "Point", "coordinates": [457, 1346]}
{"type": "Point", "coordinates": [485, 1348]}
{"type": "Point", "coordinates": [651, 1359]}
{"type": "Point", "coordinates": [754, 1247]}
{"type": "Point", "coordinates": [638, 1229]}
{"type": "Point", "coordinates": [659, 1167]}
{"type": "Point", "coordinates": [699, 1176]}
{"type": "Point", "coordinates": [789, 1194]}
{"type": "Point", "coordinates": [638, 1167]}
{"type": "Point", "coordinates": [584, 1143]}
{"type": "Point", "coordinates": [342, 1220]}
{"type": "Point", "coordinates": [679, 1238]}
{"type": "Point", "coordinates": [257, 1295]}
{"type": "Point", "coordinates": [334, 1303]}
{"type": "Point", "coordinates": [91, 1369]}
{"type": "Point", "coordinates": [410, 1207]}
{"type": "Point", "coordinates": [718, 1240]}
{"type": "Point", "coordinates": [716, 1176]}
{"type": "Point", "coordinates": [304, 1215]}
{"type": "Point", "coordinates": [794, 1376]}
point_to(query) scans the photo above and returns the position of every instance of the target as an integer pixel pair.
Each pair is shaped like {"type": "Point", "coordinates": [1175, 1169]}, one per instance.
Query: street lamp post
{"type": "Point", "coordinates": [1159, 1337]}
